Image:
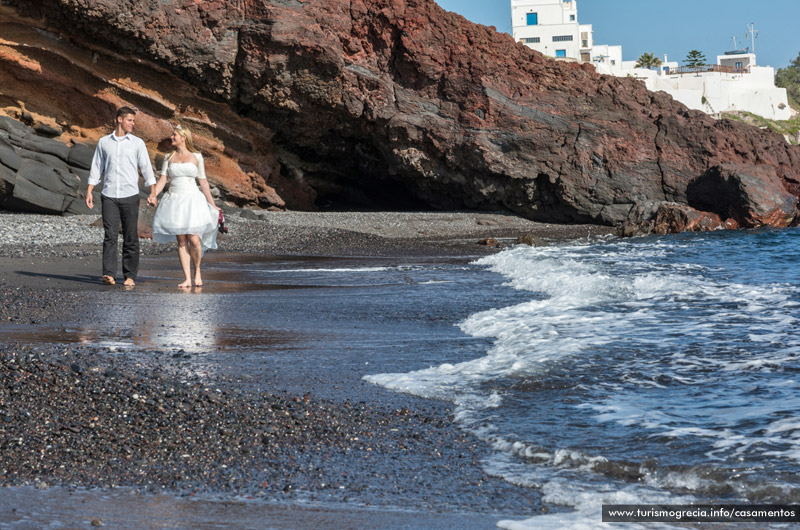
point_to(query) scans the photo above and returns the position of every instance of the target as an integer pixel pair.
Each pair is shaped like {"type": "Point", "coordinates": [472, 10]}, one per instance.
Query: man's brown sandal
{"type": "Point", "coordinates": [109, 280]}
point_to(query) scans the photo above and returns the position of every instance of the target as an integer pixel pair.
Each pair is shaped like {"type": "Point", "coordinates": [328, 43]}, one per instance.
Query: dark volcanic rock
{"type": "Point", "coordinates": [673, 217]}
{"type": "Point", "coordinates": [44, 158]}
{"type": "Point", "coordinates": [50, 178]}
{"type": "Point", "coordinates": [80, 156]}
{"type": "Point", "coordinates": [390, 102]}
{"type": "Point", "coordinates": [37, 186]}
{"type": "Point", "coordinates": [14, 127]}
{"type": "Point", "coordinates": [41, 182]}
{"type": "Point", "coordinates": [27, 196]}
{"type": "Point", "coordinates": [7, 179]}
{"type": "Point", "coordinates": [9, 157]}
{"type": "Point", "coordinates": [77, 206]}
{"type": "Point", "coordinates": [41, 145]}
{"type": "Point", "coordinates": [752, 195]}
{"type": "Point", "coordinates": [49, 131]}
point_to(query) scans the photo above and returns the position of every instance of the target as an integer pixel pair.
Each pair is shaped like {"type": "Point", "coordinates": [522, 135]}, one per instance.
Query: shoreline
{"type": "Point", "coordinates": [48, 285]}
{"type": "Point", "coordinates": [304, 234]}
{"type": "Point", "coordinates": [45, 251]}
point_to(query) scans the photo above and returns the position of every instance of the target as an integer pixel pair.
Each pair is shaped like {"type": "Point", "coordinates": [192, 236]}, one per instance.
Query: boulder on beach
{"type": "Point", "coordinates": [80, 156]}
{"type": "Point", "coordinates": [7, 179]}
{"type": "Point", "coordinates": [50, 178]}
{"type": "Point", "coordinates": [9, 157]}
{"type": "Point", "coordinates": [77, 206]}
{"type": "Point", "coordinates": [675, 217]}
{"type": "Point", "coordinates": [145, 225]}
{"type": "Point", "coordinates": [752, 195]}
{"type": "Point", "coordinates": [36, 144]}
{"type": "Point", "coordinates": [28, 196]}
{"type": "Point", "coordinates": [43, 158]}
{"type": "Point", "coordinates": [41, 182]}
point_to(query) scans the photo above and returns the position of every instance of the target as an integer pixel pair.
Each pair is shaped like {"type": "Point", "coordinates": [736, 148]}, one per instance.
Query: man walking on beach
{"type": "Point", "coordinates": [118, 159]}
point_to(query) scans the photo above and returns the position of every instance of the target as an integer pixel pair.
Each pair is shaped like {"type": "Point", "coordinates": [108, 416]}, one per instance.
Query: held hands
{"type": "Point", "coordinates": [152, 200]}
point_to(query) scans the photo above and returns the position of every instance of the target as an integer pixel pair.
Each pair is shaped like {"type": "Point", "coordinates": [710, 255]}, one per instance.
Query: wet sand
{"type": "Point", "coordinates": [383, 450]}
{"type": "Point", "coordinates": [129, 510]}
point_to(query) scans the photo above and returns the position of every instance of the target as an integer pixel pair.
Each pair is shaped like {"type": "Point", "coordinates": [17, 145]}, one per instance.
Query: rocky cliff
{"type": "Point", "coordinates": [67, 90]}
{"type": "Point", "coordinates": [396, 102]}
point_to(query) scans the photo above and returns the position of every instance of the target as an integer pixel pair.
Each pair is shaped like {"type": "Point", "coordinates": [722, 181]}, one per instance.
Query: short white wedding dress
{"type": "Point", "coordinates": [184, 209]}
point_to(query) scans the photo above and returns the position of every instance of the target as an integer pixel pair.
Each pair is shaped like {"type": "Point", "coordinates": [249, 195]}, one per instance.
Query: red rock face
{"type": "Point", "coordinates": [394, 100]}
{"type": "Point", "coordinates": [673, 217]}
{"type": "Point", "coordinates": [74, 88]}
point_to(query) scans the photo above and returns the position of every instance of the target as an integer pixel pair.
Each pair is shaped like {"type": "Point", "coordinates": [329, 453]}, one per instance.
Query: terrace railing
{"type": "Point", "coordinates": [683, 70]}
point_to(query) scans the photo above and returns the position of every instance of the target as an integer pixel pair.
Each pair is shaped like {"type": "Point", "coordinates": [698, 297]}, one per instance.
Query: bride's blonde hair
{"type": "Point", "coordinates": [187, 134]}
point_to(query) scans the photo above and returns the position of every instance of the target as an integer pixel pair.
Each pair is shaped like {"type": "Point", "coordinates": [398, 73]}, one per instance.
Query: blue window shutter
{"type": "Point", "coordinates": [533, 19]}
{"type": "Point", "coordinates": [561, 53]}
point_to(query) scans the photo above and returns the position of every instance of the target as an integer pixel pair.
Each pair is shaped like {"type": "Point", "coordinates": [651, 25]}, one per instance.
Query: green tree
{"type": "Point", "coordinates": [648, 60]}
{"type": "Point", "coordinates": [694, 59]}
{"type": "Point", "coordinates": [789, 78]}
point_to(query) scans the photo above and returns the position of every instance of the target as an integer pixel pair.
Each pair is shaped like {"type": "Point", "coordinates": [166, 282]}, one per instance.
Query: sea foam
{"type": "Point", "coordinates": [677, 361]}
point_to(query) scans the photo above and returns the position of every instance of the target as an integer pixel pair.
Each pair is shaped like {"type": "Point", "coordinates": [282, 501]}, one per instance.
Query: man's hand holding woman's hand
{"type": "Point", "coordinates": [152, 200]}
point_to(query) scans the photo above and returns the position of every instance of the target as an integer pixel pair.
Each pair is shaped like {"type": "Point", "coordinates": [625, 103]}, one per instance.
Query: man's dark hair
{"type": "Point", "coordinates": [124, 111]}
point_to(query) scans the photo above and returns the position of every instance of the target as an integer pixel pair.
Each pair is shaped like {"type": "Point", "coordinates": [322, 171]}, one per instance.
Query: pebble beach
{"type": "Point", "coordinates": [91, 417]}
{"type": "Point", "coordinates": [298, 233]}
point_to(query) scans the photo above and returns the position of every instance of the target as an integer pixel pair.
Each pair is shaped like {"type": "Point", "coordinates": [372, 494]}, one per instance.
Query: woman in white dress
{"type": "Point", "coordinates": [185, 212]}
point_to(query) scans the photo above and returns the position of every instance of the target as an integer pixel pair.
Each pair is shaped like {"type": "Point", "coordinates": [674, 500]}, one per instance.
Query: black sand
{"type": "Point", "coordinates": [77, 415]}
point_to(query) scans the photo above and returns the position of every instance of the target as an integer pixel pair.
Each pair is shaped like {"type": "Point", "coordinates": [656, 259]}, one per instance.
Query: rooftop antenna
{"type": "Point", "coordinates": [752, 34]}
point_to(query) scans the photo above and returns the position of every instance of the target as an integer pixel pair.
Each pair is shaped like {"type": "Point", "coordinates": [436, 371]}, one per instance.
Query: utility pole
{"type": "Point", "coordinates": [752, 34]}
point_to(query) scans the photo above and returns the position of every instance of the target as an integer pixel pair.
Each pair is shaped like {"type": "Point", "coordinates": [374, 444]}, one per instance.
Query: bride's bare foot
{"type": "Point", "coordinates": [198, 280]}
{"type": "Point", "coordinates": [185, 284]}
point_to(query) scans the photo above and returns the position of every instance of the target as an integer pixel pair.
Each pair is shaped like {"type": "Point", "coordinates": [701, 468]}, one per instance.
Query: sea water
{"type": "Point", "coordinates": [648, 370]}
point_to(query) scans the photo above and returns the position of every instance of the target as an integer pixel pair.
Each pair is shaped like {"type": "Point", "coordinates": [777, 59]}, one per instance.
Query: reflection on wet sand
{"type": "Point", "coordinates": [239, 323]}
{"type": "Point", "coordinates": [222, 273]}
{"type": "Point", "coordinates": [257, 318]}
{"type": "Point", "coordinates": [219, 339]}
{"type": "Point", "coordinates": [156, 316]}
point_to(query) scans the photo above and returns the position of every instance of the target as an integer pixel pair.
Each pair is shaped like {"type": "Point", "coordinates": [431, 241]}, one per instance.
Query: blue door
{"type": "Point", "coordinates": [533, 19]}
{"type": "Point", "coordinates": [561, 53]}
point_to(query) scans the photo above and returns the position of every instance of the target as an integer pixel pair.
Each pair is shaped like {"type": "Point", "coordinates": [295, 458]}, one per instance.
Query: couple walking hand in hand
{"type": "Point", "coordinates": [186, 212]}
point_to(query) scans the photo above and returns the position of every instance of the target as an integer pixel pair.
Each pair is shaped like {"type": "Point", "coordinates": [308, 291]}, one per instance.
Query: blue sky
{"type": "Point", "coordinates": [671, 26]}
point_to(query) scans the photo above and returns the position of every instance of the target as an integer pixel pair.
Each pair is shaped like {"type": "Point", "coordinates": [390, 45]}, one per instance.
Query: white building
{"type": "Point", "coordinates": [608, 59]}
{"type": "Point", "coordinates": [551, 27]}
{"type": "Point", "coordinates": [735, 83]}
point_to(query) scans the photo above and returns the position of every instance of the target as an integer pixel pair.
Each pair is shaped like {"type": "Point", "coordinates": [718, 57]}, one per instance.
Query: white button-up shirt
{"type": "Point", "coordinates": [118, 159]}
